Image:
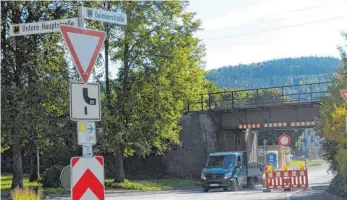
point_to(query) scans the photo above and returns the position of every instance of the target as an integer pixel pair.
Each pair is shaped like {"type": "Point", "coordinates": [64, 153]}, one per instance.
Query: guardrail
{"type": "Point", "coordinates": [261, 97]}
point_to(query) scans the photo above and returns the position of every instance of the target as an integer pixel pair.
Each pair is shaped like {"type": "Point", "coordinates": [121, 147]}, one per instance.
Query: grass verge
{"type": "Point", "coordinates": [6, 181]}
{"type": "Point", "coordinates": [149, 184]}
{"type": "Point", "coordinates": [296, 163]}
{"type": "Point", "coordinates": [153, 184]}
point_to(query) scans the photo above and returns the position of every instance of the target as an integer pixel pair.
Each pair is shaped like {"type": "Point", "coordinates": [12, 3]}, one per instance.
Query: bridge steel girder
{"type": "Point", "coordinates": [288, 113]}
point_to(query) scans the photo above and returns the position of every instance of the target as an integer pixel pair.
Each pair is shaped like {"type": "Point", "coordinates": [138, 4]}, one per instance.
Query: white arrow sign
{"type": "Point", "coordinates": [86, 133]}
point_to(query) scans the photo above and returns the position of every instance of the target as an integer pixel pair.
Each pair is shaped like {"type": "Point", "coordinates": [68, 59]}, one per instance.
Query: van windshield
{"type": "Point", "coordinates": [220, 161]}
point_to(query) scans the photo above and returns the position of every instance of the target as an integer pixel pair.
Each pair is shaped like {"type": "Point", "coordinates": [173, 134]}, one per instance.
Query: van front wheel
{"type": "Point", "coordinates": [205, 189]}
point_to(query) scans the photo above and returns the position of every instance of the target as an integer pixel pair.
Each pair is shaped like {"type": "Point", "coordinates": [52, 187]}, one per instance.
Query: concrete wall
{"type": "Point", "coordinates": [198, 138]}
{"type": "Point", "coordinates": [230, 140]}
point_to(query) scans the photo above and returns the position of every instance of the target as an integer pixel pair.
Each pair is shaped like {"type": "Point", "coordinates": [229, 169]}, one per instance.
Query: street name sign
{"type": "Point", "coordinates": [86, 132]}
{"type": "Point", "coordinates": [84, 46]}
{"type": "Point", "coordinates": [104, 16]}
{"type": "Point", "coordinates": [87, 178]}
{"type": "Point", "coordinates": [85, 102]}
{"type": "Point", "coordinates": [41, 27]}
{"type": "Point", "coordinates": [284, 140]}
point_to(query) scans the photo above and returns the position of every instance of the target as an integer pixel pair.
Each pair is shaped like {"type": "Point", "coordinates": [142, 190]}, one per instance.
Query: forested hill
{"type": "Point", "coordinates": [286, 71]}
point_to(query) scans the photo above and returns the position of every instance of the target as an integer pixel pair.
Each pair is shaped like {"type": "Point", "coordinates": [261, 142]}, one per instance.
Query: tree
{"type": "Point", "coordinates": [159, 71]}
{"type": "Point", "coordinates": [28, 64]}
{"type": "Point", "coordinates": [332, 125]}
{"type": "Point", "coordinates": [334, 131]}
{"type": "Point", "coordinates": [273, 73]}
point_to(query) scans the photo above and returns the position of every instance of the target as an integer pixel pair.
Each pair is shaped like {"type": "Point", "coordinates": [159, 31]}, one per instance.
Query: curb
{"type": "Point", "coordinates": [133, 192]}
{"type": "Point", "coordinates": [121, 191]}
{"type": "Point", "coordinates": [331, 196]}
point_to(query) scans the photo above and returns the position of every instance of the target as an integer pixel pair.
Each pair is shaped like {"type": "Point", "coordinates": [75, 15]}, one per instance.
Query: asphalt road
{"type": "Point", "coordinates": [318, 179]}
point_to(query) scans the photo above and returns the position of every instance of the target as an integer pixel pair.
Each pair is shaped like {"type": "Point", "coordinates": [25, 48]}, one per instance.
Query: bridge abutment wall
{"type": "Point", "coordinates": [201, 135]}
{"type": "Point", "coordinates": [206, 132]}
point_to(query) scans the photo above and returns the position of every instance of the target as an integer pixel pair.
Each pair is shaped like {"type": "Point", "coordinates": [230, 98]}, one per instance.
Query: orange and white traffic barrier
{"type": "Point", "coordinates": [286, 179]}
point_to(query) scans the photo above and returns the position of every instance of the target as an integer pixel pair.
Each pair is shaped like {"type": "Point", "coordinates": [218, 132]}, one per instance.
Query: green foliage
{"type": "Point", "coordinates": [332, 125]}
{"type": "Point", "coordinates": [159, 71]}
{"type": "Point", "coordinates": [338, 185]}
{"type": "Point", "coordinates": [273, 73]}
{"type": "Point", "coordinates": [51, 176]}
{"type": "Point", "coordinates": [34, 82]}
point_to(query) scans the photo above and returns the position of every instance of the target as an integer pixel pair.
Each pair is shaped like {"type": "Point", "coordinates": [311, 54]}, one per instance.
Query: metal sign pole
{"type": "Point", "coordinates": [87, 149]}
{"type": "Point", "coordinates": [85, 104]}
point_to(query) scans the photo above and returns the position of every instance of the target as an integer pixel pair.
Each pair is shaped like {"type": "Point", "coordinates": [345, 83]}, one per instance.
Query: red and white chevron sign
{"type": "Point", "coordinates": [87, 178]}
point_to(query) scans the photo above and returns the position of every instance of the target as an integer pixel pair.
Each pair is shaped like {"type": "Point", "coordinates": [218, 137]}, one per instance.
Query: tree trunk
{"type": "Point", "coordinates": [119, 157]}
{"type": "Point", "coordinates": [124, 97]}
{"type": "Point", "coordinates": [17, 180]}
{"type": "Point", "coordinates": [38, 163]}
{"type": "Point", "coordinates": [33, 168]}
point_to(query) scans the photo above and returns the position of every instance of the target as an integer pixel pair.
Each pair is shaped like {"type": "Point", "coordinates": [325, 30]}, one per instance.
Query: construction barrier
{"type": "Point", "coordinates": [286, 179]}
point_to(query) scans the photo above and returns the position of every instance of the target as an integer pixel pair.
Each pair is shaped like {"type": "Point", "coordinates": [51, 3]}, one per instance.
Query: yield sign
{"type": "Point", "coordinates": [344, 94]}
{"type": "Point", "coordinates": [84, 46]}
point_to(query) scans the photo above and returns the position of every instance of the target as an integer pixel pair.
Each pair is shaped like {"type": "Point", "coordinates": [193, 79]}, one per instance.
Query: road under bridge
{"type": "Point", "coordinates": [225, 122]}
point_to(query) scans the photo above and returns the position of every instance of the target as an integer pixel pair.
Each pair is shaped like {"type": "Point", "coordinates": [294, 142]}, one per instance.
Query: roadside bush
{"type": "Point", "coordinates": [51, 176]}
{"type": "Point", "coordinates": [26, 194]}
{"type": "Point", "coordinates": [338, 185]}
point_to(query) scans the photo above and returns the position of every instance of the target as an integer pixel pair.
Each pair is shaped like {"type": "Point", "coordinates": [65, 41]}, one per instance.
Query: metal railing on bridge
{"type": "Point", "coordinates": [261, 97]}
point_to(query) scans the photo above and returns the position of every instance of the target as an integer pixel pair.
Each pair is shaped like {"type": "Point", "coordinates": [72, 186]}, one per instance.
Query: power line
{"type": "Point", "coordinates": [278, 28]}
{"type": "Point", "coordinates": [317, 6]}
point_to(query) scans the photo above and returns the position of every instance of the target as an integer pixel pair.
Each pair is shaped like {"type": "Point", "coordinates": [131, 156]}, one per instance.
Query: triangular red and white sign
{"type": "Point", "coordinates": [84, 46]}
{"type": "Point", "coordinates": [344, 94]}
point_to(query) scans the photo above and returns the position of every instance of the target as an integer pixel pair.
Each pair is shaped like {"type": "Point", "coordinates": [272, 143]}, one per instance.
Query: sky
{"type": "Point", "coordinates": [245, 31]}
